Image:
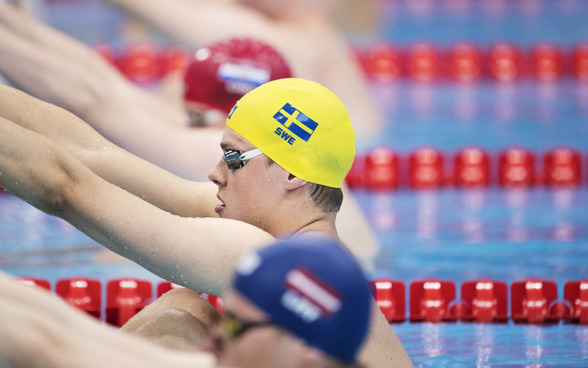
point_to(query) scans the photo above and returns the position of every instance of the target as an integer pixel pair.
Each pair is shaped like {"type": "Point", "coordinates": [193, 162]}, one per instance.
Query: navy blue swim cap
{"type": "Point", "coordinates": [313, 288]}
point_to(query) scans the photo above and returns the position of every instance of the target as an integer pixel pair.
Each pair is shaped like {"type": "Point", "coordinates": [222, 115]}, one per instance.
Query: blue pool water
{"type": "Point", "coordinates": [459, 235]}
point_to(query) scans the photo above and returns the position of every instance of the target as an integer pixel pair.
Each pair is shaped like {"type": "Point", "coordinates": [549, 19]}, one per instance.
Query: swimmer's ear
{"type": "Point", "coordinates": [294, 182]}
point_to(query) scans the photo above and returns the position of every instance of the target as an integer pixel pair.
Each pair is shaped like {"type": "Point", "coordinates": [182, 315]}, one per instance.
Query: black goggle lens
{"type": "Point", "coordinates": [233, 159]}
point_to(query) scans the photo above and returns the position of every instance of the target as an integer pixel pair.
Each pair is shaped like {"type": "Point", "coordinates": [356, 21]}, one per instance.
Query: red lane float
{"type": "Point", "coordinates": [383, 62]}
{"type": "Point", "coordinates": [381, 169]}
{"type": "Point", "coordinates": [165, 286]}
{"type": "Point", "coordinates": [504, 62]}
{"type": "Point", "coordinates": [580, 62]}
{"type": "Point", "coordinates": [562, 167]}
{"type": "Point", "coordinates": [465, 63]}
{"type": "Point", "coordinates": [516, 167]}
{"type": "Point", "coordinates": [486, 301]}
{"type": "Point", "coordinates": [355, 177]}
{"type": "Point", "coordinates": [141, 63]}
{"type": "Point", "coordinates": [471, 168]}
{"type": "Point", "coordinates": [531, 299]}
{"type": "Point", "coordinates": [125, 298]}
{"type": "Point", "coordinates": [83, 293]}
{"type": "Point", "coordinates": [390, 296]}
{"type": "Point", "coordinates": [576, 292]}
{"type": "Point", "coordinates": [430, 299]}
{"type": "Point", "coordinates": [172, 59]}
{"type": "Point", "coordinates": [33, 281]}
{"type": "Point", "coordinates": [423, 62]}
{"type": "Point", "coordinates": [546, 62]}
{"type": "Point", "coordinates": [426, 168]}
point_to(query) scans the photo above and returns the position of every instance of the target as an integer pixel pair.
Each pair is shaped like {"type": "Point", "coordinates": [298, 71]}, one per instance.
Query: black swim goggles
{"type": "Point", "coordinates": [235, 327]}
{"type": "Point", "coordinates": [237, 159]}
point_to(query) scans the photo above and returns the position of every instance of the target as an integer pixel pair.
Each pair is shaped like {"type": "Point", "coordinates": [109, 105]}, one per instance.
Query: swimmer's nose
{"type": "Point", "coordinates": [217, 174]}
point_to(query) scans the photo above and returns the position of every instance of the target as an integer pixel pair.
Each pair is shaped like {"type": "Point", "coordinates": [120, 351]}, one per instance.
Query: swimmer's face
{"type": "Point", "coordinates": [252, 192]}
{"type": "Point", "coordinates": [264, 346]}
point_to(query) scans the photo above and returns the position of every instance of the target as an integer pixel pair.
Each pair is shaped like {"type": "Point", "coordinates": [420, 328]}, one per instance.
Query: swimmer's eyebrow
{"type": "Point", "coordinates": [228, 146]}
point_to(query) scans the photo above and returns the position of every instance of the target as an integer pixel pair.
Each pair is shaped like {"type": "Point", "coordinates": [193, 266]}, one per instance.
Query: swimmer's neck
{"type": "Point", "coordinates": [318, 227]}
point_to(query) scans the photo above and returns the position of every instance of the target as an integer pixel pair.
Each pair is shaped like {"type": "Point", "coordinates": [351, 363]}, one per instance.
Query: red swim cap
{"type": "Point", "coordinates": [220, 74]}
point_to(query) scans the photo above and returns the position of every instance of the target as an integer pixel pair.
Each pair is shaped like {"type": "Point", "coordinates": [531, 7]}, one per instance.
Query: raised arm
{"type": "Point", "coordinates": [198, 253]}
{"type": "Point", "coordinates": [36, 32]}
{"type": "Point", "coordinates": [40, 330]}
{"type": "Point", "coordinates": [195, 23]}
{"type": "Point", "coordinates": [61, 70]}
{"type": "Point", "coordinates": [145, 180]}
{"type": "Point", "coordinates": [315, 49]}
{"type": "Point", "coordinates": [52, 65]}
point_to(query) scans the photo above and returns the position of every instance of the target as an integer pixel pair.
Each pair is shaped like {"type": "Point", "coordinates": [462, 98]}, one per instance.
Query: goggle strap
{"type": "Point", "coordinates": [250, 154]}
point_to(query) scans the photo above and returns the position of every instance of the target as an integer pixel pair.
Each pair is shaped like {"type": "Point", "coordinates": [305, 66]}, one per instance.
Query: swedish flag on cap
{"type": "Point", "coordinates": [300, 125]}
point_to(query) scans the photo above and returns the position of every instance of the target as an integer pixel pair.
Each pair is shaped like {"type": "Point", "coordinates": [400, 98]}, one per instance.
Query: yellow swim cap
{"type": "Point", "coordinates": [300, 125]}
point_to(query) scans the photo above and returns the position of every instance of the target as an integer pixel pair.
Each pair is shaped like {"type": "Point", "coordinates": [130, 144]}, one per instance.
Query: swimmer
{"type": "Point", "coordinates": [264, 327]}
{"type": "Point", "coordinates": [59, 69]}
{"type": "Point", "coordinates": [317, 292]}
{"type": "Point", "coordinates": [301, 30]}
{"type": "Point", "coordinates": [286, 149]}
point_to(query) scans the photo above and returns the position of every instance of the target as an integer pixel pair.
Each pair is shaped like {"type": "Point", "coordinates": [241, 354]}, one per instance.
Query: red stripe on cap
{"type": "Point", "coordinates": [313, 289]}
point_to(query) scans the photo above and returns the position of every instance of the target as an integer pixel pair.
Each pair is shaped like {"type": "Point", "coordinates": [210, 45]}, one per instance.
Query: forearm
{"type": "Point", "coordinates": [110, 162]}
{"type": "Point", "coordinates": [32, 168]}
{"type": "Point", "coordinates": [14, 19]}
{"type": "Point", "coordinates": [49, 39]}
{"type": "Point", "coordinates": [51, 76]}
{"type": "Point", "coordinates": [191, 153]}
{"type": "Point", "coordinates": [49, 178]}
{"type": "Point", "coordinates": [133, 118]}
{"type": "Point", "coordinates": [195, 23]}
{"type": "Point", "coordinates": [171, 18]}
{"type": "Point", "coordinates": [40, 330]}
{"type": "Point", "coordinates": [60, 69]}
{"type": "Point", "coordinates": [196, 253]}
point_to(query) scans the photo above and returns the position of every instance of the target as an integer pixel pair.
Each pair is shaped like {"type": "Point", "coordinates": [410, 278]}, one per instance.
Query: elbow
{"type": "Point", "coordinates": [56, 205]}
{"type": "Point", "coordinates": [60, 188]}
{"type": "Point", "coordinates": [51, 199]}
{"type": "Point", "coordinates": [65, 190]}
